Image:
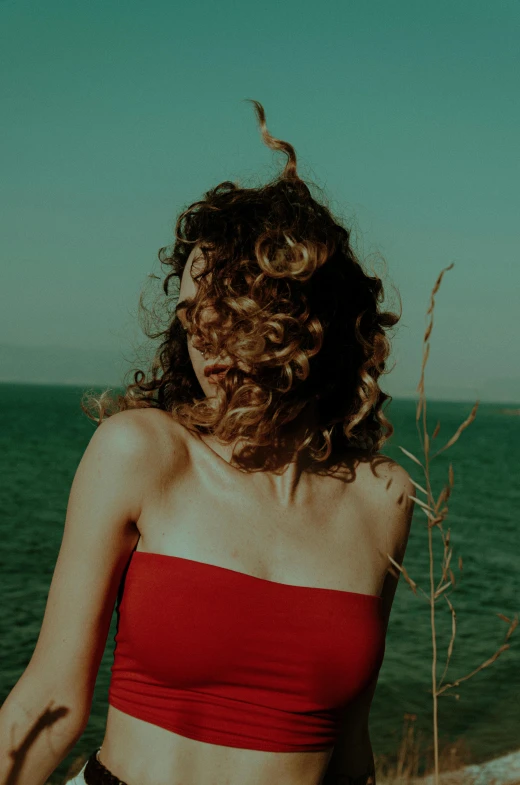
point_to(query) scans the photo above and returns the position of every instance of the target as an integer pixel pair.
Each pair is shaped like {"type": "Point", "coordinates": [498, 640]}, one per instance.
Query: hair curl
{"type": "Point", "coordinates": [293, 305]}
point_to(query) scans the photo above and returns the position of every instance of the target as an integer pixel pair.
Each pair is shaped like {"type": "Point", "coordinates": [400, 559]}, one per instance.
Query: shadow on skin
{"type": "Point", "coordinates": [18, 755]}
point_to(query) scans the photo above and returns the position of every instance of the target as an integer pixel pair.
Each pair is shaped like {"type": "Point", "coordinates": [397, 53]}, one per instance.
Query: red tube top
{"type": "Point", "coordinates": [224, 657]}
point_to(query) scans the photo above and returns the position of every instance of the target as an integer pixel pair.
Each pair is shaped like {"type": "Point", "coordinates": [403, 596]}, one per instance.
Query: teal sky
{"type": "Point", "coordinates": [117, 115]}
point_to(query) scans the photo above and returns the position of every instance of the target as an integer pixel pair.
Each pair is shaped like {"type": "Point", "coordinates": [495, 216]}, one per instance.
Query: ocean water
{"type": "Point", "coordinates": [43, 435]}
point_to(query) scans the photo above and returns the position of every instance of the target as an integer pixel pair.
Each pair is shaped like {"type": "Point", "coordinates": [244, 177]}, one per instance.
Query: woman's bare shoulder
{"type": "Point", "coordinates": [141, 419]}
{"type": "Point", "coordinates": [150, 429]}
{"type": "Point", "coordinates": [386, 488]}
{"type": "Point", "coordinates": [384, 475]}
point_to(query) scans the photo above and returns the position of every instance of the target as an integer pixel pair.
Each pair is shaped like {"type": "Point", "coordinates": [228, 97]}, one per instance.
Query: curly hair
{"type": "Point", "coordinates": [293, 306]}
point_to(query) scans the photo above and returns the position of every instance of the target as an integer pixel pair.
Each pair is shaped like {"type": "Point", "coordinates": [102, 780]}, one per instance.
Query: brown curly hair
{"type": "Point", "coordinates": [293, 306]}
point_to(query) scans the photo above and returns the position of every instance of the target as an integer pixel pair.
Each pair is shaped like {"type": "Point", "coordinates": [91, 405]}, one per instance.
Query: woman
{"type": "Point", "coordinates": [237, 510]}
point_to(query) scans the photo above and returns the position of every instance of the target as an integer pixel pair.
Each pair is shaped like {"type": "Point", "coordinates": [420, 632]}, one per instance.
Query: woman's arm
{"type": "Point", "coordinates": [48, 708]}
{"type": "Point", "coordinates": [352, 760]}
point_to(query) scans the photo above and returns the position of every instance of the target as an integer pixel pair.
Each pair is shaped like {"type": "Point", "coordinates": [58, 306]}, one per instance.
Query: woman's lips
{"type": "Point", "coordinates": [213, 378]}
{"type": "Point", "coordinates": [219, 367]}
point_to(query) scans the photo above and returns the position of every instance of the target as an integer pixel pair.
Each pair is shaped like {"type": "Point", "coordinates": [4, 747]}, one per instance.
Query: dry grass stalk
{"type": "Point", "coordinates": [436, 512]}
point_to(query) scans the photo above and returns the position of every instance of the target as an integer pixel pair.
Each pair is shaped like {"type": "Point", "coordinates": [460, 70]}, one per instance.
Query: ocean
{"type": "Point", "coordinates": [44, 433]}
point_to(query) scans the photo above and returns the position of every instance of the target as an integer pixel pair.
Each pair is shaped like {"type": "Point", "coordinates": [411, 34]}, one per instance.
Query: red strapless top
{"type": "Point", "coordinates": [224, 657]}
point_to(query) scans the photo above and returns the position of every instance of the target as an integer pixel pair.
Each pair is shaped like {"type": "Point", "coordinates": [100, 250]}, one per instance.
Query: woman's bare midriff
{"type": "Point", "coordinates": [314, 530]}
{"type": "Point", "coordinates": [143, 754]}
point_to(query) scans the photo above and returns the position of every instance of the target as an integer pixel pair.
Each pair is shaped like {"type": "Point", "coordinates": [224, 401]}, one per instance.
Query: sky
{"type": "Point", "coordinates": [116, 116]}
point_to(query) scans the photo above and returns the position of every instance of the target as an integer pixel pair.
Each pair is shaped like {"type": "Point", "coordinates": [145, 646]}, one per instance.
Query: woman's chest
{"type": "Point", "coordinates": [328, 538]}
